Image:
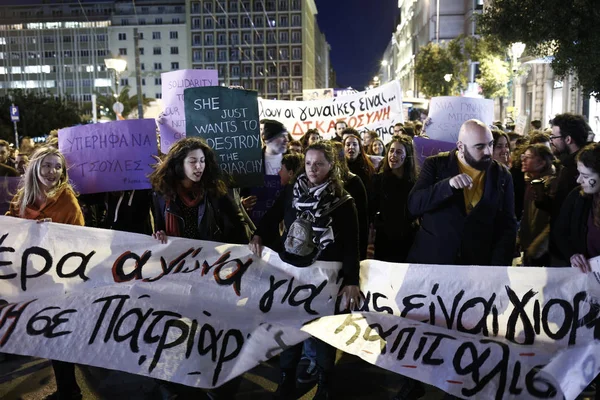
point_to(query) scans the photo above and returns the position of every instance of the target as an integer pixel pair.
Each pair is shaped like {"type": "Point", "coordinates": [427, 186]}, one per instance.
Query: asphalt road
{"type": "Point", "coordinates": [29, 378]}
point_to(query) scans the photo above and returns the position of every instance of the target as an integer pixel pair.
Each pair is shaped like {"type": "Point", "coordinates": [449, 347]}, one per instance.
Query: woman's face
{"type": "Point", "coordinates": [313, 138]}
{"type": "Point", "coordinates": [502, 151]}
{"type": "Point", "coordinates": [285, 175]}
{"type": "Point", "coordinates": [316, 166]}
{"type": "Point", "coordinates": [351, 148]}
{"type": "Point", "coordinates": [193, 165]}
{"type": "Point", "coordinates": [50, 171]}
{"type": "Point", "coordinates": [530, 163]}
{"type": "Point", "coordinates": [588, 179]}
{"type": "Point", "coordinates": [378, 148]}
{"type": "Point", "coordinates": [396, 155]}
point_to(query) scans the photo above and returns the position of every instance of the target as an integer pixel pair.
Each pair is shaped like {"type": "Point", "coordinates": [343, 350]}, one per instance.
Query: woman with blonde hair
{"type": "Point", "coordinates": [45, 192]}
{"type": "Point", "coordinates": [46, 195]}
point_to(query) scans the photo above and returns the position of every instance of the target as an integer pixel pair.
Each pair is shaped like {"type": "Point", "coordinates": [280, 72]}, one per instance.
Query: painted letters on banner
{"type": "Point", "coordinates": [228, 120]}
{"type": "Point", "coordinates": [377, 109]}
{"type": "Point", "coordinates": [171, 121]}
{"type": "Point", "coordinates": [123, 301]}
{"type": "Point", "coordinates": [109, 157]}
{"type": "Point", "coordinates": [447, 114]}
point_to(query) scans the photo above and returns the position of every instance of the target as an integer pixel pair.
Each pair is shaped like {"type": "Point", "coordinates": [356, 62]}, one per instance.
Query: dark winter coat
{"type": "Point", "coordinates": [447, 234]}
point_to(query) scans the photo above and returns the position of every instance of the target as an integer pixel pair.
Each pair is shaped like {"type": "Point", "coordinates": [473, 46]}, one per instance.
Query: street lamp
{"type": "Point", "coordinates": [385, 63]}
{"type": "Point", "coordinates": [118, 65]}
{"type": "Point", "coordinates": [516, 51]}
{"type": "Point", "coordinates": [448, 77]}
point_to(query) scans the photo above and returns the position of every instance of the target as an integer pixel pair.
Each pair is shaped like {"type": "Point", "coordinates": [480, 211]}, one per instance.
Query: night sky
{"type": "Point", "coordinates": [358, 32]}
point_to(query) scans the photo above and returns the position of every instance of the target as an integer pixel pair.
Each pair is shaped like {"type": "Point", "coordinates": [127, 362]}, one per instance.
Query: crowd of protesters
{"type": "Point", "coordinates": [493, 198]}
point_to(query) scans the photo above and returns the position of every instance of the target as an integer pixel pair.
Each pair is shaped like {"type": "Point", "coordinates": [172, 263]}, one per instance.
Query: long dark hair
{"type": "Point", "coordinates": [364, 162]}
{"type": "Point", "coordinates": [170, 172]}
{"type": "Point", "coordinates": [331, 157]}
{"type": "Point", "coordinates": [410, 165]}
{"type": "Point", "coordinates": [589, 156]}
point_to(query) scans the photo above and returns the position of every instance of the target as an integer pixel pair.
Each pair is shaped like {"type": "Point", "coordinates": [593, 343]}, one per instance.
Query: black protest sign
{"type": "Point", "coordinates": [228, 120]}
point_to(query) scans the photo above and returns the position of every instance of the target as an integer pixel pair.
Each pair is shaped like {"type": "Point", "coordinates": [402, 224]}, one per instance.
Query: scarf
{"type": "Point", "coordinates": [316, 200]}
{"type": "Point", "coordinates": [189, 198]}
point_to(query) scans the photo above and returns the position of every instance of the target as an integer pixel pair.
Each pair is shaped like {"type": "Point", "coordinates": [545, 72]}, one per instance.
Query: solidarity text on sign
{"type": "Point", "coordinates": [111, 156]}
{"type": "Point", "coordinates": [172, 119]}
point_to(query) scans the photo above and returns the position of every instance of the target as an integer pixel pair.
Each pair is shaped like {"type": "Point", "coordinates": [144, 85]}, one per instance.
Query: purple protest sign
{"type": "Point", "coordinates": [109, 157]}
{"type": "Point", "coordinates": [8, 189]}
{"type": "Point", "coordinates": [428, 147]}
{"type": "Point", "coordinates": [171, 122]}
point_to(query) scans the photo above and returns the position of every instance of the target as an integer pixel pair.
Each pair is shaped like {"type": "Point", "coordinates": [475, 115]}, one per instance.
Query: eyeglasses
{"type": "Point", "coordinates": [556, 137]}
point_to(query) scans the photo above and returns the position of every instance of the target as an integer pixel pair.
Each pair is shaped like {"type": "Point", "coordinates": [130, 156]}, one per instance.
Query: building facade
{"type": "Point", "coordinates": [55, 47]}
{"type": "Point", "coordinates": [421, 22]}
{"type": "Point", "coordinates": [272, 46]}
{"type": "Point", "coordinates": [163, 41]}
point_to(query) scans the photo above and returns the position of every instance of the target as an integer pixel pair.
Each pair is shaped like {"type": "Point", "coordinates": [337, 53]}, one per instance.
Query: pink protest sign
{"type": "Point", "coordinates": [171, 122]}
{"type": "Point", "coordinates": [109, 157]}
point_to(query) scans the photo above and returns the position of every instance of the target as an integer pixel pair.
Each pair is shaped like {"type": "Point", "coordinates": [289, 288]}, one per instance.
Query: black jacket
{"type": "Point", "coordinates": [345, 231]}
{"type": "Point", "coordinates": [355, 188]}
{"type": "Point", "coordinates": [571, 227]}
{"type": "Point", "coordinates": [394, 226]}
{"type": "Point", "coordinates": [222, 220]}
{"type": "Point", "coordinates": [448, 235]}
{"type": "Point", "coordinates": [132, 209]}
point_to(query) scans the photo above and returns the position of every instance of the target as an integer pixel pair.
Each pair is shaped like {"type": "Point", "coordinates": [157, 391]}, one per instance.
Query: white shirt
{"type": "Point", "coordinates": [272, 164]}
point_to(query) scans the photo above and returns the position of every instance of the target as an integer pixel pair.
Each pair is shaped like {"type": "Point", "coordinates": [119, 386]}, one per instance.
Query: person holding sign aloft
{"type": "Point", "coordinates": [46, 195]}
{"type": "Point", "coordinates": [320, 224]}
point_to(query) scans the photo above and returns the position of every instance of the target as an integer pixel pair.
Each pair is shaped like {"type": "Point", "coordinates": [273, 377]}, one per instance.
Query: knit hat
{"type": "Point", "coordinates": [273, 129]}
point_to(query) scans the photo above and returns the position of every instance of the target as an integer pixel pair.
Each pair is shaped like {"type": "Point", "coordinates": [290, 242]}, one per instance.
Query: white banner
{"type": "Point", "coordinates": [376, 109]}
{"type": "Point", "coordinates": [201, 313]}
{"type": "Point", "coordinates": [447, 114]}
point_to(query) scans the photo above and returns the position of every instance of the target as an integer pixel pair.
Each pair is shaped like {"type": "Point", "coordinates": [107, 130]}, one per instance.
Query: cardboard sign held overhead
{"type": "Point", "coordinates": [228, 120]}
{"type": "Point", "coordinates": [447, 114]}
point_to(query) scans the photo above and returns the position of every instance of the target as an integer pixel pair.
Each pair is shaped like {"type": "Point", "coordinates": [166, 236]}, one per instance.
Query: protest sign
{"type": "Point", "coordinates": [317, 94]}
{"type": "Point", "coordinates": [8, 189]}
{"type": "Point", "coordinates": [124, 301]}
{"type": "Point", "coordinates": [228, 120]}
{"type": "Point", "coordinates": [376, 109]}
{"type": "Point", "coordinates": [522, 125]}
{"type": "Point", "coordinates": [428, 147]}
{"type": "Point", "coordinates": [111, 156]}
{"type": "Point", "coordinates": [447, 114]}
{"type": "Point", "coordinates": [265, 196]}
{"type": "Point", "coordinates": [171, 122]}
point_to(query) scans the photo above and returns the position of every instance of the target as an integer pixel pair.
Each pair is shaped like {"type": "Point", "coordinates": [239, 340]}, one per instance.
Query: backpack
{"type": "Point", "coordinates": [301, 240]}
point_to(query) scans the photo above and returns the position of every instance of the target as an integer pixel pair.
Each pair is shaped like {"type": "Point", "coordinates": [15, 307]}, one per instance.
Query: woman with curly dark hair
{"type": "Point", "coordinates": [311, 136]}
{"type": "Point", "coordinates": [190, 197]}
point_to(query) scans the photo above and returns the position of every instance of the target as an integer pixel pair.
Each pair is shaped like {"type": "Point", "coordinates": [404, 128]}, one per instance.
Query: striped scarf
{"type": "Point", "coordinates": [316, 200]}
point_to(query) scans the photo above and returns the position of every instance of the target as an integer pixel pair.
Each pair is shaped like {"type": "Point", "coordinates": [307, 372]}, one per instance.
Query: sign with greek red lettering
{"type": "Point", "coordinates": [428, 147]}
{"type": "Point", "coordinates": [171, 121]}
{"type": "Point", "coordinates": [124, 301]}
{"type": "Point", "coordinates": [111, 156]}
{"type": "Point", "coordinates": [447, 114]}
{"type": "Point", "coordinates": [376, 109]}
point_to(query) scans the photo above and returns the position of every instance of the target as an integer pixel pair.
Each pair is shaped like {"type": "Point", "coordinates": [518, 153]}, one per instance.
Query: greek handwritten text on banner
{"type": "Point", "coordinates": [377, 109]}
{"type": "Point", "coordinates": [201, 313]}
